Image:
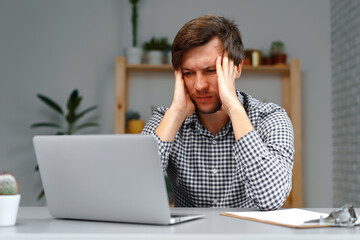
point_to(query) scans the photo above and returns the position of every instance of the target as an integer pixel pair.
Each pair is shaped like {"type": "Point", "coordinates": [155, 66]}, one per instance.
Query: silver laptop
{"type": "Point", "coordinates": [104, 178]}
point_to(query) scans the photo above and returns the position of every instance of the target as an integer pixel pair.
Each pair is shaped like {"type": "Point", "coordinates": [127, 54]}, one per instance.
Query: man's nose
{"type": "Point", "coordinates": [201, 82]}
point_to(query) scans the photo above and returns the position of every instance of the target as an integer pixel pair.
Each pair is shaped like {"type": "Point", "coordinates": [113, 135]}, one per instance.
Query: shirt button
{"type": "Point", "coordinates": [215, 202]}
{"type": "Point", "coordinates": [214, 171]}
{"type": "Point", "coordinates": [214, 142]}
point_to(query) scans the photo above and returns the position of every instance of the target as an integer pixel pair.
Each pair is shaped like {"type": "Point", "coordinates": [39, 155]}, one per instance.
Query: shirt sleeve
{"type": "Point", "coordinates": [149, 129]}
{"type": "Point", "coordinates": [265, 160]}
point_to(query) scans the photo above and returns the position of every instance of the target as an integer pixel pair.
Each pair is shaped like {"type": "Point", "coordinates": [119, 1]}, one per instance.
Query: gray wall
{"type": "Point", "coordinates": [53, 46]}
{"type": "Point", "coordinates": [345, 52]}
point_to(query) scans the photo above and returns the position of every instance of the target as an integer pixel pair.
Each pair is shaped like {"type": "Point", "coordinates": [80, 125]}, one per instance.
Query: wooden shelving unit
{"type": "Point", "coordinates": [169, 68]}
{"type": "Point", "coordinates": [291, 95]}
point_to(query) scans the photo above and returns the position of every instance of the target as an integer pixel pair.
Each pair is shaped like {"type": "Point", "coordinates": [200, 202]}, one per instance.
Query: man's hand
{"type": "Point", "coordinates": [181, 104]}
{"type": "Point", "coordinates": [227, 72]}
{"type": "Point", "coordinates": [181, 107]}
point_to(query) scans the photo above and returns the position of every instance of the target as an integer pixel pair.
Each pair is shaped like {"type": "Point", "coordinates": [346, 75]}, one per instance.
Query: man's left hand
{"type": "Point", "coordinates": [227, 72]}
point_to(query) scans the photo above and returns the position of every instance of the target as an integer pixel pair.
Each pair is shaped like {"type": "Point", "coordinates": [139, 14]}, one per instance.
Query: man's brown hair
{"type": "Point", "coordinates": [201, 30]}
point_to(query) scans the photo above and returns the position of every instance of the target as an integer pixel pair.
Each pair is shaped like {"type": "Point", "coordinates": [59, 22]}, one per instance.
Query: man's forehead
{"type": "Point", "coordinates": [205, 66]}
{"type": "Point", "coordinates": [203, 56]}
{"type": "Point", "coordinates": [203, 62]}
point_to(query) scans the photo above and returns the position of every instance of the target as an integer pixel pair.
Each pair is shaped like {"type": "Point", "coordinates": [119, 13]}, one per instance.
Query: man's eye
{"type": "Point", "coordinates": [187, 73]}
{"type": "Point", "coordinates": [211, 71]}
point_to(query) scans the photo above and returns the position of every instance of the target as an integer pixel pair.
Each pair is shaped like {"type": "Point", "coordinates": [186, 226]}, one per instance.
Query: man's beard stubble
{"type": "Point", "coordinates": [216, 107]}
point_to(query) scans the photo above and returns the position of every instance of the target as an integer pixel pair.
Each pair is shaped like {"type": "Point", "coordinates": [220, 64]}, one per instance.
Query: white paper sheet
{"type": "Point", "coordinates": [293, 216]}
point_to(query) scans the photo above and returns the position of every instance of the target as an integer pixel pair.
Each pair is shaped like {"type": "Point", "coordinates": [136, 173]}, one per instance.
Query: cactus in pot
{"type": "Point", "coordinates": [9, 199]}
{"type": "Point", "coordinates": [8, 184]}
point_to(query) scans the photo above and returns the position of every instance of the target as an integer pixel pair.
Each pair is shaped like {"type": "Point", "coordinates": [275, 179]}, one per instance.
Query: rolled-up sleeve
{"type": "Point", "coordinates": [149, 129]}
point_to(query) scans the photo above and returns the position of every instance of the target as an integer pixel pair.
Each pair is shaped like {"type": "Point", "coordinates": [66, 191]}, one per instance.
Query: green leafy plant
{"type": "Point", "coordinates": [134, 20]}
{"type": "Point", "coordinates": [8, 184]}
{"type": "Point", "coordinates": [70, 118]}
{"type": "Point", "coordinates": [156, 44]}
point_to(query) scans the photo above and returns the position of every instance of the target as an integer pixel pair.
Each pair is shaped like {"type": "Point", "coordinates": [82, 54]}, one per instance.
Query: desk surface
{"type": "Point", "coordinates": [36, 223]}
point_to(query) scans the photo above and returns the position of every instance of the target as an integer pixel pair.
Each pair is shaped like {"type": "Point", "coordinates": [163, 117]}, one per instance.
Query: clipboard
{"type": "Point", "coordinates": [294, 218]}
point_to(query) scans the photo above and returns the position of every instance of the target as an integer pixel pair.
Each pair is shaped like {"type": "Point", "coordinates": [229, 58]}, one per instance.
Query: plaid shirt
{"type": "Point", "coordinates": [217, 171]}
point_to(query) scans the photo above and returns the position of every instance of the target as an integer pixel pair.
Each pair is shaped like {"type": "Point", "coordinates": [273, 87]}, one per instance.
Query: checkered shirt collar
{"type": "Point", "coordinates": [194, 119]}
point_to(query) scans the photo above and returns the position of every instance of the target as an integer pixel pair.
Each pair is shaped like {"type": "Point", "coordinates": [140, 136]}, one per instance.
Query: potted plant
{"type": "Point", "coordinates": [277, 52]}
{"type": "Point", "coordinates": [155, 48]}
{"type": "Point", "coordinates": [133, 122]}
{"type": "Point", "coordinates": [134, 54]}
{"type": "Point", "coordinates": [69, 125]}
{"type": "Point", "coordinates": [9, 199]}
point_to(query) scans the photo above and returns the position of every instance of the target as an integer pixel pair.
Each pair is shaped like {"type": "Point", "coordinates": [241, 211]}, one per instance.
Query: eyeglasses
{"type": "Point", "coordinates": [346, 216]}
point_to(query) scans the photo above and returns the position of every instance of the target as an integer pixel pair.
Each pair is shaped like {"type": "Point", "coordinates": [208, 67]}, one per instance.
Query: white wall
{"type": "Point", "coordinates": [53, 46]}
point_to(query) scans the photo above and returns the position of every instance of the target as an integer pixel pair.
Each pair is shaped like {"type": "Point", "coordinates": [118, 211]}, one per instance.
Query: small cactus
{"type": "Point", "coordinates": [8, 184]}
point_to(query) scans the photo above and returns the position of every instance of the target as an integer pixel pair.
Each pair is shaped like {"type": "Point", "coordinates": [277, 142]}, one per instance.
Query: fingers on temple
{"type": "Point", "coordinates": [231, 67]}
{"type": "Point", "coordinates": [218, 65]}
{"type": "Point", "coordinates": [225, 63]}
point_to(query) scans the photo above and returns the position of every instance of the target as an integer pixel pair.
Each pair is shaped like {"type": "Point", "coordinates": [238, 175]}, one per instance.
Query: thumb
{"type": "Point", "coordinates": [178, 77]}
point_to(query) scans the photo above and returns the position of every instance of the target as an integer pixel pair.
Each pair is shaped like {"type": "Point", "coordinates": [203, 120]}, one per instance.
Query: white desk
{"type": "Point", "coordinates": [36, 223]}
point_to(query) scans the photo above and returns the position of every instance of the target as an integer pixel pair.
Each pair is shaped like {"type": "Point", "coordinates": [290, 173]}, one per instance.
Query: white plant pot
{"type": "Point", "coordinates": [134, 55]}
{"type": "Point", "coordinates": [9, 206]}
{"type": "Point", "coordinates": [155, 57]}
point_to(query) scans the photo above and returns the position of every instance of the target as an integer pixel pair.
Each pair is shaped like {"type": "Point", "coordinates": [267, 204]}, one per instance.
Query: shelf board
{"type": "Point", "coordinates": [267, 69]}
{"type": "Point", "coordinates": [149, 68]}
{"type": "Point", "coordinates": [169, 68]}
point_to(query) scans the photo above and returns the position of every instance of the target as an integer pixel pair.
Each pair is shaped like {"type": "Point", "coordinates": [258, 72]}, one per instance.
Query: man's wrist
{"type": "Point", "coordinates": [176, 114]}
{"type": "Point", "coordinates": [235, 109]}
{"type": "Point", "coordinates": [240, 121]}
{"type": "Point", "coordinates": [169, 125]}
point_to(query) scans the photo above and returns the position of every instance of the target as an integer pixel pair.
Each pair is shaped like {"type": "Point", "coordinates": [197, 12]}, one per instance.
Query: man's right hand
{"type": "Point", "coordinates": [181, 107]}
{"type": "Point", "coordinates": [181, 104]}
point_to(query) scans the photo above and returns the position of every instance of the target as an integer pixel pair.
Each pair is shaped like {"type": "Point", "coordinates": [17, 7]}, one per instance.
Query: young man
{"type": "Point", "coordinates": [220, 147]}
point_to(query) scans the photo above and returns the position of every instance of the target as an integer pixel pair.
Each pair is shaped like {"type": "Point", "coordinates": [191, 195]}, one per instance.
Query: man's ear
{"type": "Point", "coordinates": [239, 69]}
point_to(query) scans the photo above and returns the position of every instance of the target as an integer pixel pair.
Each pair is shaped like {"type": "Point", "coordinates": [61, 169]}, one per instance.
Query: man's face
{"type": "Point", "coordinates": [199, 74]}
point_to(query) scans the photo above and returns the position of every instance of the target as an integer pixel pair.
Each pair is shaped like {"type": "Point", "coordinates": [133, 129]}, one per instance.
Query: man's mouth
{"type": "Point", "coordinates": [203, 98]}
